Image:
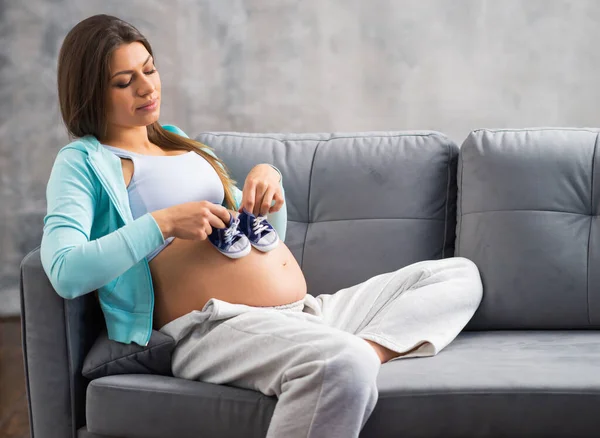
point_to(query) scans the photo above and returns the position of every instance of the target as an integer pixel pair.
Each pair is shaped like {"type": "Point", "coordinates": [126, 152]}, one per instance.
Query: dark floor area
{"type": "Point", "coordinates": [14, 418]}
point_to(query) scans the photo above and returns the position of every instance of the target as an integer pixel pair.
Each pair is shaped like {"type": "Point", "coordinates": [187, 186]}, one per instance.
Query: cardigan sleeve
{"type": "Point", "coordinates": [74, 264]}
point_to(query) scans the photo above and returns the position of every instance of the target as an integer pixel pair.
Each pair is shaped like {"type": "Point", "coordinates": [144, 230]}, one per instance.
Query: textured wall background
{"type": "Point", "coordinates": [292, 66]}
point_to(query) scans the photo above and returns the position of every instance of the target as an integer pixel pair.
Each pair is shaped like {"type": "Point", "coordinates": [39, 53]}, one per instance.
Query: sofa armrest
{"type": "Point", "coordinates": [56, 336]}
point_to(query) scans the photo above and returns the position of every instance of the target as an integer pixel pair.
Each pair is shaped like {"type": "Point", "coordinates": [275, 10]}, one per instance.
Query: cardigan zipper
{"type": "Point", "coordinates": [113, 199]}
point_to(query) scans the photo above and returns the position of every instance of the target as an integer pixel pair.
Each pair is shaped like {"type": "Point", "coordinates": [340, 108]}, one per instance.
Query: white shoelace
{"type": "Point", "coordinates": [231, 231]}
{"type": "Point", "coordinates": [259, 227]}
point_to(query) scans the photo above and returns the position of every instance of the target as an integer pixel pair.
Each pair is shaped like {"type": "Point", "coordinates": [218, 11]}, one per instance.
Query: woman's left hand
{"type": "Point", "coordinates": [260, 189]}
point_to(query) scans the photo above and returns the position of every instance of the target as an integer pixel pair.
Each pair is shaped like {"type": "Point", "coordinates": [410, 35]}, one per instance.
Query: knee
{"type": "Point", "coordinates": [469, 272]}
{"type": "Point", "coordinates": [469, 267]}
{"type": "Point", "coordinates": [456, 267]}
{"type": "Point", "coordinates": [460, 272]}
{"type": "Point", "coordinates": [436, 270]}
{"type": "Point", "coordinates": [466, 265]}
{"type": "Point", "coordinates": [355, 367]}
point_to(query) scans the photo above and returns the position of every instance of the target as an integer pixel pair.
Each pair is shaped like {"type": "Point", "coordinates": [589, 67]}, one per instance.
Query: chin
{"type": "Point", "coordinates": [150, 119]}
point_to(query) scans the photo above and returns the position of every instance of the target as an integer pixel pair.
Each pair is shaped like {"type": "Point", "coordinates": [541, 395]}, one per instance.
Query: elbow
{"type": "Point", "coordinates": [64, 287]}
{"type": "Point", "coordinates": [65, 284]}
{"type": "Point", "coordinates": [70, 284]}
{"type": "Point", "coordinates": [65, 291]}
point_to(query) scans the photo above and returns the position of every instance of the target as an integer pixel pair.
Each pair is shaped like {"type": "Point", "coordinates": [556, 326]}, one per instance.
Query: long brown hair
{"type": "Point", "coordinates": [83, 76]}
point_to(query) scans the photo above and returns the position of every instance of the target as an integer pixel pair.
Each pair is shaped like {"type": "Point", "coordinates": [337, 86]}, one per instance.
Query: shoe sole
{"type": "Point", "coordinates": [236, 255]}
{"type": "Point", "coordinates": [266, 248]}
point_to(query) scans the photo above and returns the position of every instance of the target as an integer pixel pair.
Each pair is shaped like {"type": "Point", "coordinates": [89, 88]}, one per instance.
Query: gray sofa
{"type": "Point", "coordinates": [522, 204]}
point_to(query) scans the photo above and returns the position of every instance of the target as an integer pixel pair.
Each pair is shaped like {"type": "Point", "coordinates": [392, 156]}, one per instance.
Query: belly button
{"type": "Point", "coordinates": [284, 263]}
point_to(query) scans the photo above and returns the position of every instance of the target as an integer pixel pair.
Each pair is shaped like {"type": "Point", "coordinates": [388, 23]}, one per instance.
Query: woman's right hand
{"type": "Point", "coordinates": [191, 220]}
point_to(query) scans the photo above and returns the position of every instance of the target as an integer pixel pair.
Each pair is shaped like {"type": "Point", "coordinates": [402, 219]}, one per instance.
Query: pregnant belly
{"type": "Point", "coordinates": [187, 273]}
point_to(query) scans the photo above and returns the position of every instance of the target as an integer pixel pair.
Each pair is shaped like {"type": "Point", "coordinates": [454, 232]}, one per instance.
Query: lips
{"type": "Point", "coordinates": [152, 102]}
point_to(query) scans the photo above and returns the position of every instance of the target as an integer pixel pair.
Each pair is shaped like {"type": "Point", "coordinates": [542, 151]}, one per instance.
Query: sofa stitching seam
{"type": "Point", "coordinates": [488, 392]}
{"type": "Point", "coordinates": [124, 388]}
{"type": "Point", "coordinates": [459, 205]}
{"type": "Point", "coordinates": [447, 200]}
{"type": "Point", "coordinates": [24, 344]}
{"type": "Point", "coordinates": [308, 218]}
{"type": "Point", "coordinates": [513, 210]}
{"type": "Point", "coordinates": [533, 130]}
{"type": "Point", "coordinates": [378, 219]}
{"type": "Point", "coordinates": [590, 232]}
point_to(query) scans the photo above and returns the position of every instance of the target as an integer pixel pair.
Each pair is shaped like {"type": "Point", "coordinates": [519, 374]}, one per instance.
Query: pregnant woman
{"type": "Point", "coordinates": [151, 220]}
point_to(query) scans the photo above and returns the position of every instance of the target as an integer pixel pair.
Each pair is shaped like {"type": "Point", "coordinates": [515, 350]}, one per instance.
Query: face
{"type": "Point", "coordinates": [134, 82]}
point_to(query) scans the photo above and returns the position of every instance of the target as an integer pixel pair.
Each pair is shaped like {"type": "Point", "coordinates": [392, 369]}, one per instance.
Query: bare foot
{"type": "Point", "coordinates": [385, 354]}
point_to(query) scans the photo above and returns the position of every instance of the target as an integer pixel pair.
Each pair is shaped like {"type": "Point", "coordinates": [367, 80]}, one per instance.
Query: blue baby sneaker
{"type": "Point", "coordinates": [261, 234]}
{"type": "Point", "coordinates": [230, 241]}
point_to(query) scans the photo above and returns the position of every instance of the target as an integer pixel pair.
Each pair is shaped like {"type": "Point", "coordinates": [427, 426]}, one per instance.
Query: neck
{"type": "Point", "coordinates": [133, 138]}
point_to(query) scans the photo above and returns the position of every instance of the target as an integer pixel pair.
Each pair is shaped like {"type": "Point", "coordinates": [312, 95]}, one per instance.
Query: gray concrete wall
{"type": "Point", "coordinates": [300, 66]}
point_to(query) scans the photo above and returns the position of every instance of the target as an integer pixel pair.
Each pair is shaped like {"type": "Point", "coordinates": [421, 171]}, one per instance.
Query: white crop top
{"type": "Point", "coordinates": [160, 181]}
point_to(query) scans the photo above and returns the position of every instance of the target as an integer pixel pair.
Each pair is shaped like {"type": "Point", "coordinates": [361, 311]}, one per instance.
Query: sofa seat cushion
{"type": "Point", "coordinates": [484, 384]}
{"type": "Point", "coordinates": [152, 406]}
{"type": "Point", "coordinates": [494, 384]}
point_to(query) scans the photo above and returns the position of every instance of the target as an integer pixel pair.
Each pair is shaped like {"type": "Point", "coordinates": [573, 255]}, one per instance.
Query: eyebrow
{"type": "Point", "coordinates": [126, 72]}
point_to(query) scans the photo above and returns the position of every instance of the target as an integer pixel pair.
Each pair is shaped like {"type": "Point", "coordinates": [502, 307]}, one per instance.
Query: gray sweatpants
{"type": "Point", "coordinates": [312, 354]}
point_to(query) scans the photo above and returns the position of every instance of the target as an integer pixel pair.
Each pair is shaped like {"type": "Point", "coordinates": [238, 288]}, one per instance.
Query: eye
{"type": "Point", "coordinates": [128, 83]}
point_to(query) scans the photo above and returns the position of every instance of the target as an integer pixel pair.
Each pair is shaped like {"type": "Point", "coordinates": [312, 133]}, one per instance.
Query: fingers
{"type": "Point", "coordinates": [217, 222]}
{"type": "Point", "coordinates": [257, 197]}
{"type": "Point", "coordinates": [278, 202]}
{"type": "Point", "coordinates": [247, 197]}
{"type": "Point", "coordinates": [264, 206]}
{"type": "Point", "coordinates": [203, 234]}
{"type": "Point", "coordinates": [252, 196]}
{"type": "Point", "coordinates": [221, 216]}
{"type": "Point", "coordinates": [261, 192]}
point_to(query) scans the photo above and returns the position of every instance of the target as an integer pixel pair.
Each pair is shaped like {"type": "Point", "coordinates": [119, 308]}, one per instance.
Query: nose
{"type": "Point", "coordinates": [146, 86]}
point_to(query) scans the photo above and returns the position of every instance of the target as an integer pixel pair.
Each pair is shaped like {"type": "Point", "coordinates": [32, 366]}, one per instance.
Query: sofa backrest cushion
{"type": "Point", "coordinates": [358, 204]}
{"type": "Point", "coordinates": [528, 206]}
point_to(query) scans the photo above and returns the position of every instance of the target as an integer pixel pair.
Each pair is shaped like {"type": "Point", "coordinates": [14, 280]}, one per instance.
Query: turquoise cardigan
{"type": "Point", "coordinates": [91, 241]}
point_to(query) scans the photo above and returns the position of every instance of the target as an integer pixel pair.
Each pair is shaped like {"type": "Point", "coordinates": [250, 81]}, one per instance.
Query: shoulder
{"type": "Point", "coordinates": [175, 129]}
{"type": "Point", "coordinates": [75, 151]}
{"type": "Point", "coordinates": [73, 159]}
{"type": "Point", "coordinates": [85, 145]}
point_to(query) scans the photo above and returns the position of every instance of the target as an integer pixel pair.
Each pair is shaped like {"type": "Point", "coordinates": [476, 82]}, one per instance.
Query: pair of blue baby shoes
{"type": "Point", "coordinates": [243, 233]}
